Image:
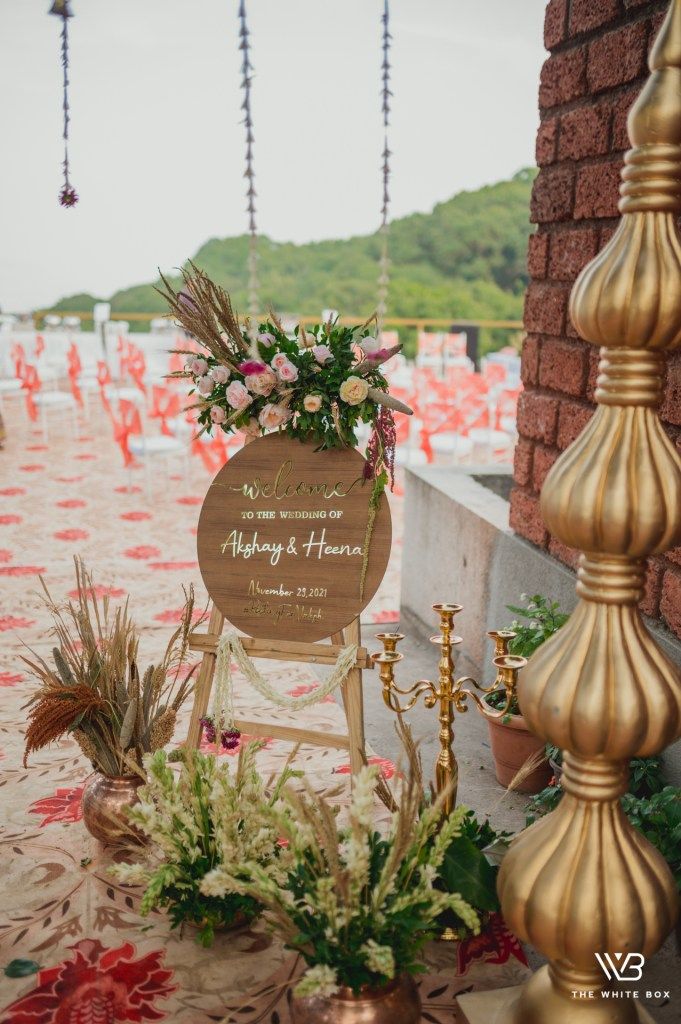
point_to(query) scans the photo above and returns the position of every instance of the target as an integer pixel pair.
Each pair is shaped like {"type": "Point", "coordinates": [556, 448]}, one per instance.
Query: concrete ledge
{"type": "Point", "coordinates": [459, 548]}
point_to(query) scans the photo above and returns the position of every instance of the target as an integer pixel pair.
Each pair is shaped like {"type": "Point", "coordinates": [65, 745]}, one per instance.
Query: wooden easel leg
{"type": "Point", "coordinates": [353, 701]}
{"type": "Point", "coordinates": [204, 682]}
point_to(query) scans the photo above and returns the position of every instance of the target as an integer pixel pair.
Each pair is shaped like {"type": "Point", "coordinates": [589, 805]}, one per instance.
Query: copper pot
{"type": "Point", "coordinates": [104, 803]}
{"type": "Point", "coordinates": [398, 1002]}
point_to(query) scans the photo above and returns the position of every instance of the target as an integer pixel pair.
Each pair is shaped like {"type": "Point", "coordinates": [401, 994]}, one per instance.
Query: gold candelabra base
{"type": "Point", "coordinates": [535, 1003]}
{"type": "Point", "coordinates": [449, 693]}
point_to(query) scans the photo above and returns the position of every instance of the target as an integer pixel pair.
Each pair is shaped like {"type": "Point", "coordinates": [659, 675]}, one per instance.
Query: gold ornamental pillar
{"type": "Point", "coordinates": [582, 880]}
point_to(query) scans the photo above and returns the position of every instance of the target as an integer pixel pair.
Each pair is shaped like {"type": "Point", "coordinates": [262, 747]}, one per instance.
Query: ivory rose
{"type": "Point", "coordinates": [220, 374]}
{"type": "Point", "coordinates": [237, 395]}
{"type": "Point", "coordinates": [273, 416]}
{"type": "Point", "coordinates": [354, 390]}
{"type": "Point", "coordinates": [322, 353]}
{"type": "Point", "coordinates": [205, 385]}
{"type": "Point", "coordinates": [261, 383]}
{"type": "Point", "coordinates": [218, 414]}
{"type": "Point", "coordinates": [312, 403]}
{"type": "Point", "coordinates": [287, 372]}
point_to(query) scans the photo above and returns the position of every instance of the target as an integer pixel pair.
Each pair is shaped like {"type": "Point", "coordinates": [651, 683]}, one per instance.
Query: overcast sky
{"type": "Point", "coordinates": [157, 144]}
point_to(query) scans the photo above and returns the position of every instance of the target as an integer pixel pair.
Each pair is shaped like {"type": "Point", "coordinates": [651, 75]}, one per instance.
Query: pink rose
{"type": "Point", "coordinates": [218, 414]}
{"type": "Point", "coordinates": [280, 360]}
{"type": "Point", "coordinates": [266, 339]}
{"type": "Point", "coordinates": [198, 367]}
{"type": "Point", "coordinates": [322, 353]}
{"type": "Point", "coordinates": [287, 372]}
{"type": "Point", "coordinates": [220, 374]}
{"type": "Point", "coordinates": [312, 403]}
{"type": "Point", "coordinates": [273, 416]}
{"type": "Point", "coordinates": [237, 395]}
{"type": "Point", "coordinates": [261, 383]}
{"type": "Point", "coordinates": [205, 385]}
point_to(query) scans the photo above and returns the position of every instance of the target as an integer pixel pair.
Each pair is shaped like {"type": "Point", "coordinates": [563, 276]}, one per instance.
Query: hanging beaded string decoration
{"type": "Point", "coordinates": [61, 8]}
{"type": "Point", "coordinates": [384, 263]}
{"type": "Point", "coordinates": [246, 79]}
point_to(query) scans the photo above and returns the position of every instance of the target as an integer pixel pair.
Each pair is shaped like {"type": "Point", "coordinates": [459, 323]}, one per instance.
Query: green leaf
{"type": "Point", "coordinates": [21, 968]}
{"type": "Point", "coordinates": [466, 870]}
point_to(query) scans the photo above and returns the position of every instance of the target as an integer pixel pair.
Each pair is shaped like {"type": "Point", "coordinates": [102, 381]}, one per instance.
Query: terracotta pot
{"type": "Point", "coordinates": [398, 1002]}
{"type": "Point", "coordinates": [104, 803]}
{"type": "Point", "coordinates": [512, 744]}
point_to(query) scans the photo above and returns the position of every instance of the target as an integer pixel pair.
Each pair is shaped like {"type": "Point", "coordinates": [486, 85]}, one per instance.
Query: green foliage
{"type": "Point", "coordinates": [465, 260]}
{"type": "Point", "coordinates": [659, 819]}
{"type": "Point", "coordinates": [651, 807]}
{"type": "Point", "coordinates": [467, 869]}
{"type": "Point", "coordinates": [543, 620]}
{"type": "Point", "coordinates": [21, 968]}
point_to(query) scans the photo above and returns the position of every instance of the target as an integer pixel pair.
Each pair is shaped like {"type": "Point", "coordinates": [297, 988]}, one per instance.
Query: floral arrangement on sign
{"type": "Point", "coordinates": [197, 824]}
{"type": "Point", "coordinates": [315, 385]}
{"type": "Point", "coordinates": [94, 690]}
{"type": "Point", "coordinates": [358, 905]}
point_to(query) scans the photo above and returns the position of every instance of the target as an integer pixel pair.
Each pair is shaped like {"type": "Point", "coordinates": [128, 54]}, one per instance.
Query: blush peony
{"type": "Point", "coordinates": [220, 374]}
{"type": "Point", "coordinates": [218, 414]}
{"type": "Point", "coordinates": [322, 353]}
{"type": "Point", "coordinates": [274, 416]}
{"type": "Point", "coordinates": [237, 395]}
{"type": "Point", "coordinates": [205, 385]}
{"type": "Point", "coordinates": [198, 367]}
{"type": "Point", "coordinates": [288, 372]}
{"type": "Point", "coordinates": [354, 390]}
{"type": "Point", "coordinates": [312, 403]}
{"type": "Point", "coordinates": [261, 383]}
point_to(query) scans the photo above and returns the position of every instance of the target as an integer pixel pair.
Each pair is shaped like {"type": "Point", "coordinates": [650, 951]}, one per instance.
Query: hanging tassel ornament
{"type": "Point", "coordinates": [61, 8]}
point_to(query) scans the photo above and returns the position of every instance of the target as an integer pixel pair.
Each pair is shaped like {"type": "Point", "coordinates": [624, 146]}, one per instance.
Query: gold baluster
{"type": "Point", "coordinates": [582, 880]}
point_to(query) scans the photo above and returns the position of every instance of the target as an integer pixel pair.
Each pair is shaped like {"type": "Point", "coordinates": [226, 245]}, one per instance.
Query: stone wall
{"type": "Point", "coordinates": [596, 67]}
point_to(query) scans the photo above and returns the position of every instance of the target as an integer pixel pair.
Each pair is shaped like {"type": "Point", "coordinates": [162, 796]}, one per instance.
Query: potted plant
{"type": "Point", "coordinates": [514, 747]}
{"type": "Point", "coordinates": [358, 905]}
{"type": "Point", "coordinates": [199, 824]}
{"type": "Point", "coordinates": [94, 690]}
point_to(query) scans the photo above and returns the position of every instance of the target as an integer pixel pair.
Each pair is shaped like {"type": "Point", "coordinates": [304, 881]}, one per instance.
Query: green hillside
{"type": "Point", "coordinates": [466, 259]}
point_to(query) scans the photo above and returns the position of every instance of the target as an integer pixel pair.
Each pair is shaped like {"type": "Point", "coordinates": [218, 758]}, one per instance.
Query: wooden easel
{"type": "Point", "coordinates": [286, 650]}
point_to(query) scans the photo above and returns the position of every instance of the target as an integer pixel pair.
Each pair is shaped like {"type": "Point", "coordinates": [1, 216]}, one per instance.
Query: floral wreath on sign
{"type": "Point", "coordinates": [316, 385]}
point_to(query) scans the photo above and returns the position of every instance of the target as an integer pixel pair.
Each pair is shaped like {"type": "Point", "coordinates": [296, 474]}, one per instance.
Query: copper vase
{"type": "Point", "coordinates": [104, 802]}
{"type": "Point", "coordinates": [398, 1002]}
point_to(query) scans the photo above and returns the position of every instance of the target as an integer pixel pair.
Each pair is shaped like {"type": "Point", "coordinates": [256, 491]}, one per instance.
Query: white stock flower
{"type": "Point", "coordinates": [320, 980]}
{"type": "Point", "coordinates": [379, 959]}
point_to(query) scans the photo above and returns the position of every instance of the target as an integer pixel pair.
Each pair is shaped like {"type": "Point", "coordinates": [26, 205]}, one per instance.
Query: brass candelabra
{"type": "Point", "coordinates": [449, 692]}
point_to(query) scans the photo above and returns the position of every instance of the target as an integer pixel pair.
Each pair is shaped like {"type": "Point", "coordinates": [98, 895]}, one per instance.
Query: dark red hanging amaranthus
{"type": "Point", "coordinates": [61, 8]}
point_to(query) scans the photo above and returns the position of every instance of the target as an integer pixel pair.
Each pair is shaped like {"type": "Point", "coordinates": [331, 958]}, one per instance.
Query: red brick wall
{"type": "Point", "coordinates": [597, 64]}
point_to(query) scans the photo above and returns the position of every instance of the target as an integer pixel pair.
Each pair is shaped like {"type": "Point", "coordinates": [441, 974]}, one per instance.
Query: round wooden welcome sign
{"type": "Point", "coordinates": [281, 539]}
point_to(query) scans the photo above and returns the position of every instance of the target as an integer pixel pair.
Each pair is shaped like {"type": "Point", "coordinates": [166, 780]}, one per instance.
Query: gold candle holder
{"type": "Point", "coordinates": [449, 692]}
{"type": "Point", "coordinates": [582, 881]}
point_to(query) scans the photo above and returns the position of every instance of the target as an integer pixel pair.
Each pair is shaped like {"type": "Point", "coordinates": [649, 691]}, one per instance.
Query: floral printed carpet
{"type": "Point", "coordinates": [74, 949]}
